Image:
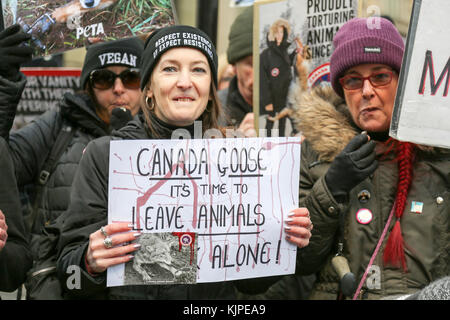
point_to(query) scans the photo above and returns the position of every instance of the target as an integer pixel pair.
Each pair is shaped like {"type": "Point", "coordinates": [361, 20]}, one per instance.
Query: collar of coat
{"type": "Point", "coordinates": [325, 121]}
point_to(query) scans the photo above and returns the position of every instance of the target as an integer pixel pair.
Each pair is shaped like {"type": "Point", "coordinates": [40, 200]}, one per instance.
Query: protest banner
{"type": "Point", "coordinates": [44, 89]}
{"type": "Point", "coordinates": [58, 26]}
{"type": "Point", "coordinates": [422, 106]}
{"type": "Point", "coordinates": [215, 209]}
{"type": "Point", "coordinates": [292, 49]}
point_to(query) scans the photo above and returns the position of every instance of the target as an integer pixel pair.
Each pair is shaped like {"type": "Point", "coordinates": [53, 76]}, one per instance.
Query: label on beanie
{"type": "Point", "coordinates": [372, 50]}
{"type": "Point", "coordinates": [179, 39]}
{"type": "Point", "coordinates": [118, 58]}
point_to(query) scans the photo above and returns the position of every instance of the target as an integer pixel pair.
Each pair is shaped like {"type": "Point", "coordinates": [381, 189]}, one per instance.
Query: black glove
{"type": "Point", "coordinates": [355, 163]}
{"type": "Point", "coordinates": [120, 117]}
{"type": "Point", "coordinates": [12, 52]}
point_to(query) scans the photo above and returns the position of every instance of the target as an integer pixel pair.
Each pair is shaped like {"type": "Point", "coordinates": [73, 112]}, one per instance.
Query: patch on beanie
{"type": "Point", "coordinates": [118, 58]}
{"type": "Point", "coordinates": [179, 39]}
{"type": "Point", "coordinates": [372, 50]}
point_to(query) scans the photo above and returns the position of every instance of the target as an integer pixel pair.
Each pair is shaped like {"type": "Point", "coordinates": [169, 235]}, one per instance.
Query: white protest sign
{"type": "Point", "coordinates": [422, 107]}
{"type": "Point", "coordinates": [232, 196]}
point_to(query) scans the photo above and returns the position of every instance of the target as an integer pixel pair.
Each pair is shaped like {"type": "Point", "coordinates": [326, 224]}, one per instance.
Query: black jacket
{"type": "Point", "coordinates": [88, 212]}
{"type": "Point", "coordinates": [30, 147]}
{"type": "Point", "coordinates": [15, 257]}
{"type": "Point", "coordinates": [234, 106]}
{"type": "Point", "coordinates": [10, 94]}
{"type": "Point", "coordinates": [275, 75]}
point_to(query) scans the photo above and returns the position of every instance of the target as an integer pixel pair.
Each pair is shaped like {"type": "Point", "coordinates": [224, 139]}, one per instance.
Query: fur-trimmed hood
{"type": "Point", "coordinates": [274, 27]}
{"type": "Point", "coordinates": [324, 120]}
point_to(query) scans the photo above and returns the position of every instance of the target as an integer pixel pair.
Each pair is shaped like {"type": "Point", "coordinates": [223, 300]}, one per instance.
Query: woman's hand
{"type": "Point", "coordinates": [102, 255]}
{"type": "Point", "coordinates": [3, 230]}
{"type": "Point", "coordinates": [247, 126]}
{"type": "Point", "coordinates": [12, 51]}
{"type": "Point", "coordinates": [298, 227]}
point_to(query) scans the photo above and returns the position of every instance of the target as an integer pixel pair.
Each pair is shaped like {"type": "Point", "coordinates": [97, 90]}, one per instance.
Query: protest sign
{"type": "Point", "coordinates": [58, 26]}
{"type": "Point", "coordinates": [44, 90]}
{"type": "Point", "coordinates": [422, 106]}
{"type": "Point", "coordinates": [292, 49]}
{"type": "Point", "coordinates": [223, 202]}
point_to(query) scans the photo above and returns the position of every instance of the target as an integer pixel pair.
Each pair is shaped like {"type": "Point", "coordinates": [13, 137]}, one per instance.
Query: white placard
{"type": "Point", "coordinates": [231, 195]}
{"type": "Point", "coordinates": [422, 107]}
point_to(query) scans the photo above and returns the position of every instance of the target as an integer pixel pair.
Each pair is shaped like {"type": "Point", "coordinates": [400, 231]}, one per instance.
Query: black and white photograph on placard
{"type": "Point", "coordinates": [163, 258]}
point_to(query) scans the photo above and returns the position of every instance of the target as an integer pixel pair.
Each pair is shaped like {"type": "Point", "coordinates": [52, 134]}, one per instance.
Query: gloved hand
{"type": "Point", "coordinates": [355, 163]}
{"type": "Point", "coordinates": [120, 117]}
{"type": "Point", "coordinates": [12, 54]}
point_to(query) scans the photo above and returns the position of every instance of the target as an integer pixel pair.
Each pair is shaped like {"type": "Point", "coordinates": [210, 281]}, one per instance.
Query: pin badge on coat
{"type": "Point", "coordinates": [275, 72]}
{"type": "Point", "coordinates": [364, 216]}
{"type": "Point", "coordinates": [416, 207]}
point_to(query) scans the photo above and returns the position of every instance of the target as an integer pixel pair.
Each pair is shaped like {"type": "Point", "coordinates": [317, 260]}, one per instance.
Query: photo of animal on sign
{"type": "Point", "coordinates": [208, 210]}
{"type": "Point", "coordinates": [164, 258]}
{"type": "Point", "coordinates": [58, 26]}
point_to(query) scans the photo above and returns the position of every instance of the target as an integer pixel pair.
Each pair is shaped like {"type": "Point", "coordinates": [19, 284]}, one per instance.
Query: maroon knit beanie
{"type": "Point", "coordinates": [365, 40]}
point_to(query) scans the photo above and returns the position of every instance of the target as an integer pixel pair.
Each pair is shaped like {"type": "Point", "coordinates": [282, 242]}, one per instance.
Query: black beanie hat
{"type": "Point", "coordinates": [176, 36]}
{"type": "Point", "coordinates": [126, 52]}
{"type": "Point", "coordinates": [240, 43]}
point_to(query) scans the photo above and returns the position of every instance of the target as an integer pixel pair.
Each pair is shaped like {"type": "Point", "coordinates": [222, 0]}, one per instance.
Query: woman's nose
{"type": "Point", "coordinates": [367, 89]}
{"type": "Point", "coordinates": [184, 79]}
{"type": "Point", "coordinates": [118, 86]}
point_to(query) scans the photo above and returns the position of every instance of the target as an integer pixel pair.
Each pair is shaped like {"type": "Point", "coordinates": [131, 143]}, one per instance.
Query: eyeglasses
{"type": "Point", "coordinates": [377, 79]}
{"type": "Point", "coordinates": [104, 79]}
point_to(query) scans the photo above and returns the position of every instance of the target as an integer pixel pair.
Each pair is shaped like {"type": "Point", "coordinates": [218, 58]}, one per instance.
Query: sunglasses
{"type": "Point", "coordinates": [104, 79]}
{"type": "Point", "coordinates": [377, 79]}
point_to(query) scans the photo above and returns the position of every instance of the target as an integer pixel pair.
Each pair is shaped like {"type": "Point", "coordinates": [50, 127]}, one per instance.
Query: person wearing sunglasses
{"type": "Point", "coordinates": [109, 98]}
{"type": "Point", "coordinates": [379, 206]}
{"type": "Point", "coordinates": [179, 83]}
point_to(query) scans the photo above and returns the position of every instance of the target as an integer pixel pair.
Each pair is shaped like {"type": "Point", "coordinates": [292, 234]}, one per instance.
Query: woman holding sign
{"type": "Point", "coordinates": [379, 206]}
{"type": "Point", "coordinates": [179, 80]}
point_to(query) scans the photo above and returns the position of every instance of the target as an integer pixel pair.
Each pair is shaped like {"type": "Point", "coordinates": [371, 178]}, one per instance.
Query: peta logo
{"type": "Point", "coordinates": [92, 30]}
{"type": "Point", "coordinates": [118, 58]}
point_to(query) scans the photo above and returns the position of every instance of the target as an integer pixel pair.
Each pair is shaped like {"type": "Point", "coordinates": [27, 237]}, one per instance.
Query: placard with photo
{"type": "Point", "coordinates": [58, 26]}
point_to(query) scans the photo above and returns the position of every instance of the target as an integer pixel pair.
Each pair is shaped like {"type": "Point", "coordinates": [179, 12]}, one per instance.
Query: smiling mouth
{"type": "Point", "coordinates": [183, 99]}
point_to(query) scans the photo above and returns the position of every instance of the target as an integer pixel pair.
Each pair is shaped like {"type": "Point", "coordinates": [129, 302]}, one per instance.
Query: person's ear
{"type": "Point", "coordinates": [149, 92]}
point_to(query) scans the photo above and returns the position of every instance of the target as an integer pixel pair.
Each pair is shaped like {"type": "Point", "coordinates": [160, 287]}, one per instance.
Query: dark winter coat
{"type": "Point", "coordinates": [327, 126]}
{"type": "Point", "coordinates": [275, 75]}
{"type": "Point", "coordinates": [10, 94]}
{"type": "Point", "coordinates": [88, 212]}
{"type": "Point", "coordinates": [15, 257]}
{"type": "Point", "coordinates": [30, 147]}
{"type": "Point", "coordinates": [234, 106]}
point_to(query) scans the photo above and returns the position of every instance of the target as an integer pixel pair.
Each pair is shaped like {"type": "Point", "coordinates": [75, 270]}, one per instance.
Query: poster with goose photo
{"type": "Point", "coordinates": [58, 26]}
{"type": "Point", "coordinates": [291, 52]}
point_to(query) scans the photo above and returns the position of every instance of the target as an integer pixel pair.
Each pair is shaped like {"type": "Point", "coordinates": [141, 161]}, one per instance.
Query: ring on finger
{"type": "Point", "coordinates": [108, 242]}
{"type": "Point", "coordinates": [103, 231]}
